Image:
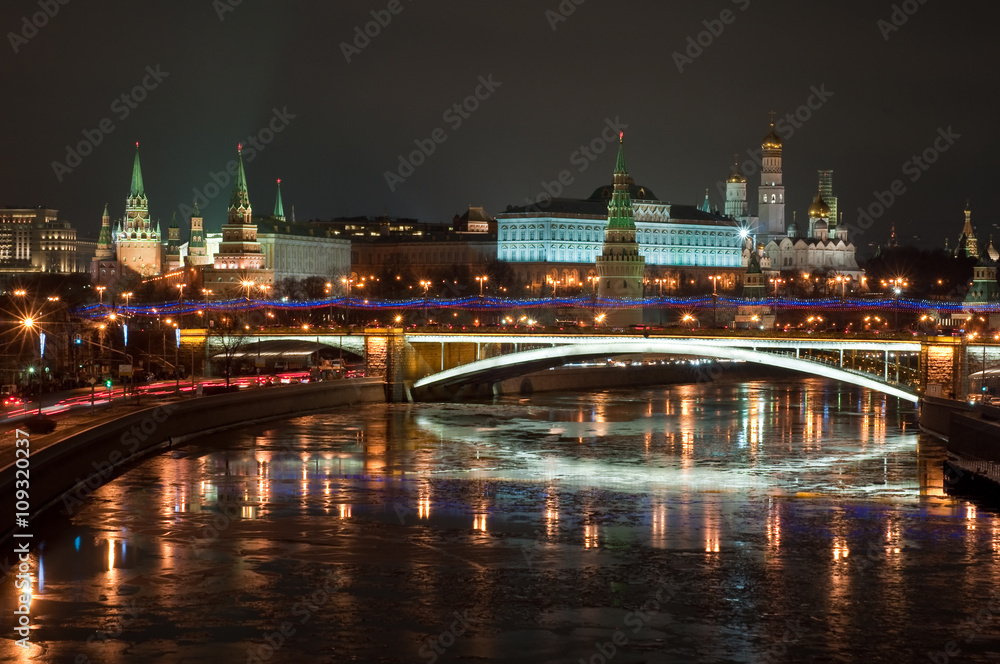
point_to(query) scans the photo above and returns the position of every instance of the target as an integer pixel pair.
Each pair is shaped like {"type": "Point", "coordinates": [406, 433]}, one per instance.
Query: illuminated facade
{"type": "Point", "coordinates": [34, 240]}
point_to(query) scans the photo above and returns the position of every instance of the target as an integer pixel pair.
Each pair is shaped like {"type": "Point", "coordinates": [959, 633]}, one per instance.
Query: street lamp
{"type": "Point", "coordinates": [180, 293]}
{"type": "Point", "coordinates": [897, 284]}
{"type": "Point", "coordinates": [31, 324]}
{"type": "Point", "coordinates": [843, 279]}
{"type": "Point", "coordinates": [715, 299]}
{"type": "Point", "coordinates": [688, 318]}
{"type": "Point", "coordinates": [482, 281]}
{"type": "Point", "coordinates": [426, 285]}
{"type": "Point", "coordinates": [100, 293]}
{"type": "Point", "coordinates": [348, 282]}
{"type": "Point", "coordinates": [248, 285]}
{"type": "Point", "coordinates": [777, 282]}
{"type": "Point", "coordinates": [329, 293]}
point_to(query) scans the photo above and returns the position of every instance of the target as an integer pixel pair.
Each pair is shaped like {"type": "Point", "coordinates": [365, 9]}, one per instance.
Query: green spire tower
{"type": "Point", "coordinates": [279, 208]}
{"type": "Point", "coordinates": [137, 191]}
{"type": "Point", "coordinates": [239, 203]}
{"type": "Point", "coordinates": [620, 266]}
{"type": "Point", "coordinates": [239, 250]}
{"type": "Point", "coordinates": [138, 243]}
{"type": "Point", "coordinates": [105, 248]}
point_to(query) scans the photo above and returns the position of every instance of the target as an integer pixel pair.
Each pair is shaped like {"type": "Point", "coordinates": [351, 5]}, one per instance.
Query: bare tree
{"type": "Point", "coordinates": [230, 333]}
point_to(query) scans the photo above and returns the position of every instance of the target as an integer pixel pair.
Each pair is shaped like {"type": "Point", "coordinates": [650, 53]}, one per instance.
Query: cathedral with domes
{"type": "Point", "coordinates": [821, 246]}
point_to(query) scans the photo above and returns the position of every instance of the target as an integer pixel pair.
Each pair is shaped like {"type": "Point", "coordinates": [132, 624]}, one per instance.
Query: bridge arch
{"type": "Point", "coordinates": [496, 369]}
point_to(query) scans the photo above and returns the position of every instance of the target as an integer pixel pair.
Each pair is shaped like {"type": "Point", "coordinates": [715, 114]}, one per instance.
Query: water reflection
{"type": "Point", "coordinates": [813, 495]}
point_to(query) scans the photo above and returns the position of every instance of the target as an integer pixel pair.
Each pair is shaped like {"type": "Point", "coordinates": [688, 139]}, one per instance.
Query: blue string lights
{"type": "Point", "coordinates": [475, 303]}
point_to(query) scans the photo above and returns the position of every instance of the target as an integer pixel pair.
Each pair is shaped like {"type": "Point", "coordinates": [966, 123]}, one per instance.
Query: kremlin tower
{"type": "Point", "coordinates": [240, 259]}
{"type": "Point", "coordinates": [137, 241]}
{"type": "Point", "coordinates": [772, 191]}
{"type": "Point", "coordinates": [620, 266]}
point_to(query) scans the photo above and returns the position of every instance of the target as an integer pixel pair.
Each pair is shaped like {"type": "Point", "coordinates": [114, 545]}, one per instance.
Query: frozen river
{"type": "Point", "coordinates": [793, 520]}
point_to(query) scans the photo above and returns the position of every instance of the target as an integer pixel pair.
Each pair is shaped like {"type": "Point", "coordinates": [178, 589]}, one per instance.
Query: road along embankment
{"type": "Point", "coordinates": [63, 474]}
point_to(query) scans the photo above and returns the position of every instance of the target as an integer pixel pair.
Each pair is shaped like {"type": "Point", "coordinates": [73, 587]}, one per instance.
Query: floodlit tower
{"type": "Point", "coordinates": [620, 266]}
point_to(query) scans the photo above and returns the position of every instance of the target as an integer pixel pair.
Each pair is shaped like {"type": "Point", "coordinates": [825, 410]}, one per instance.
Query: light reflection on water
{"type": "Point", "coordinates": [813, 495]}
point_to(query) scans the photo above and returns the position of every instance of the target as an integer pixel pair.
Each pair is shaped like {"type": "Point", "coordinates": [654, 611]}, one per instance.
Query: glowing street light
{"type": "Point", "coordinates": [100, 292]}
{"type": "Point", "coordinates": [426, 286]}
{"type": "Point", "coordinates": [482, 281]}
{"type": "Point", "coordinates": [715, 299]}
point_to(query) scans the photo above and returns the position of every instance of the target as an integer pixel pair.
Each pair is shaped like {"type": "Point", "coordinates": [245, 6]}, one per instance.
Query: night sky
{"type": "Point", "coordinates": [558, 78]}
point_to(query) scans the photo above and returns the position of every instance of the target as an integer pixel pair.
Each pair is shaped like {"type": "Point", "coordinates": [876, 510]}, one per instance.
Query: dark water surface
{"type": "Point", "coordinates": [794, 520]}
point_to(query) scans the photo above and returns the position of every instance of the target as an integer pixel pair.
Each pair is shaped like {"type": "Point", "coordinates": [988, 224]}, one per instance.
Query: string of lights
{"type": "Point", "coordinates": [474, 303]}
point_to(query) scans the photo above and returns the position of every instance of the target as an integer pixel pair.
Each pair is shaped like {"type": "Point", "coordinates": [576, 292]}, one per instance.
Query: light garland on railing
{"type": "Point", "coordinates": [475, 303]}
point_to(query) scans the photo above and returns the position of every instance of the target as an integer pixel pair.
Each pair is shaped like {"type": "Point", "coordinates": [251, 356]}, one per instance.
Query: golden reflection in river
{"type": "Point", "coordinates": [479, 522]}
{"type": "Point", "coordinates": [773, 524]}
{"type": "Point", "coordinates": [424, 499]}
{"type": "Point", "coordinates": [658, 529]}
{"type": "Point", "coordinates": [551, 511]}
{"type": "Point", "coordinates": [712, 529]}
{"type": "Point", "coordinates": [590, 536]}
{"type": "Point", "coordinates": [840, 549]}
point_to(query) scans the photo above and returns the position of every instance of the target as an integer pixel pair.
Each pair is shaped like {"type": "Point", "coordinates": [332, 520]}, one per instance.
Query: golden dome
{"type": "Point", "coordinates": [772, 141]}
{"type": "Point", "coordinates": [819, 208]}
{"type": "Point", "coordinates": [737, 177]}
